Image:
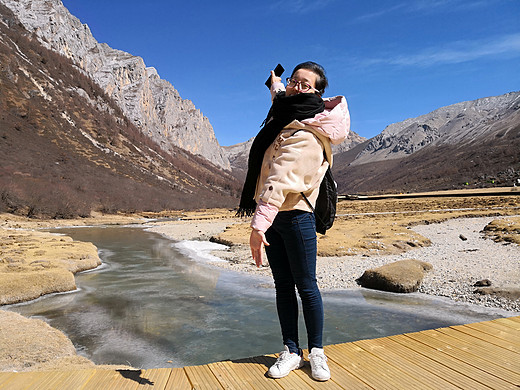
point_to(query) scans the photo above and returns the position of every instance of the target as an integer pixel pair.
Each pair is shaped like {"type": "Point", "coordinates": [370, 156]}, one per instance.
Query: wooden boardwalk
{"type": "Point", "coordinates": [484, 355]}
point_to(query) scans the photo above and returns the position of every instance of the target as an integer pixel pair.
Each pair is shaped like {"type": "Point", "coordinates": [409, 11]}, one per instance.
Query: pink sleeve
{"type": "Point", "coordinates": [264, 216]}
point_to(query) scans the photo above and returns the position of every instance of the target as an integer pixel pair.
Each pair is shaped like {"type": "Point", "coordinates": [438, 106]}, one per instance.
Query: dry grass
{"type": "Point", "coordinates": [507, 230]}
{"type": "Point", "coordinates": [367, 226]}
{"type": "Point", "coordinates": [33, 263]}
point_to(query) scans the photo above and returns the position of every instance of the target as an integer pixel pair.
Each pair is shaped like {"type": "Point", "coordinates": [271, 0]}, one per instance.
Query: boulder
{"type": "Point", "coordinates": [503, 292]}
{"type": "Point", "coordinates": [483, 283]}
{"type": "Point", "coordinates": [403, 276]}
{"type": "Point", "coordinates": [151, 103]}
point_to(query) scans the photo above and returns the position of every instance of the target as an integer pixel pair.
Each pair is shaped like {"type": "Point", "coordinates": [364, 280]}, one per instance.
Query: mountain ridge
{"type": "Point", "coordinates": [144, 122]}
{"type": "Point", "coordinates": [153, 104]}
{"type": "Point", "coordinates": [238, 154]}
{"type": "Point", "coordinates": [66, 148]}
{"type": "Point", "coordinates": [473, 143]}
{"type": "Point", "coordinates": [445, 125]}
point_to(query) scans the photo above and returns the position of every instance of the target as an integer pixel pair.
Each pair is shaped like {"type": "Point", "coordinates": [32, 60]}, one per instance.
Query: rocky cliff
{"type": "Point", "coordinates": [469, 144]}
{"type": "Point", "coordinates": [238, 154]}
{"type": "Point", "coordinates": [454, 124]}
{"type": "Point", "coordinates": [67, 149]}
{"type": "Point", "coordinates": [152, 104]}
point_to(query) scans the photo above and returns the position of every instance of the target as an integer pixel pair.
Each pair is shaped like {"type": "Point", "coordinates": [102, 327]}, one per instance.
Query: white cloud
{"type": "Point", "coordinates": [379, 13]}
{"type": "Point", "coordinates": [299, 6]}
{"type": "Point", "coordinates": [507, 46]}
{"type": "Point", "coordinates": [424, 7]}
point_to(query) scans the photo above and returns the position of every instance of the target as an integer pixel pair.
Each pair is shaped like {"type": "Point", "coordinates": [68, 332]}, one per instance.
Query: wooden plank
{"type": "Point", "coordinates": [62, 380]}
{"type": "Point", "coordinates": [133, 379]}
{"type": "Point", "coordinates": [508, 336]}
{"type": "Point", "coordinates": [371, 370]}
{"type": "Point", "coordinates": [305, 374]}
{"type": "Point", "coordinates": [444, 371]}
{"type": "Point", "coordinates": [252, 373]}
{"type": "Point", "coordinates": [105, 379]}
{"type": "Point", "coordinates": [344, 378]}
{"type": "Point", "coordinates": [360, 370]}
{"type": "Point", "coordinates": [122, 380]}
{"type": "Point", "coordinates": [497, 355]}
{"type": "Point", "coordinates": [473, 356]}
{"type": "Point", "coordinates": [255, 369]}
{"type": "Point", "coordinates": [515, 319]}
{"type": "Point", "coordinates": [473, 374]}
{"type": "Point", "coordinates": [487, 337]}
{"type": "Point", "coordinates": [73, 380]}
{"type": "Point", "coordinates": [502, 327]}
{"type": "Point", "coordinates": [5, 377]}
{"type": "Point", "coordinates": [302, 378]}
{"type": "Point", "coordinates": [22, 380]}
{"type": "Point", "coordinates": [228, 377]}
{"type": "Point", "coordinates": [96, 379]}
{"type": "Point", "coordinates": [510, 321]}
{"type": "Point", "coordinates": [499, 328]}
{"type": "Point", "coordinates": [291, 381]}
{"type": "Point", "coordinates": [202, 378]}
{"type": "Point", "coordinates": [247, 375]}
{"type": "Point", "coordinates": [384, 352]}
{"type": "Point", "coordinates": [156, 377]}
{"type": "Point", "coordinates": [48, 380]}
{"type": "Point", "coordinates": [485, 346]}
{"type": "Point", "coordinates": [503, 378]}
{"type": "Point", "coordinates": [178, 380]}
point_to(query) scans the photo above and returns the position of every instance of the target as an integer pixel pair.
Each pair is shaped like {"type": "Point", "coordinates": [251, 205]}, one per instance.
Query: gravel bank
{"type": "Point", "coordinates": [457, 263]}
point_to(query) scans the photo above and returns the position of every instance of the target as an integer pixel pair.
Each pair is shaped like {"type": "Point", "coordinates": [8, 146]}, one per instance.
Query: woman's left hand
{"type": "Point", "coordinates": [257, 241]}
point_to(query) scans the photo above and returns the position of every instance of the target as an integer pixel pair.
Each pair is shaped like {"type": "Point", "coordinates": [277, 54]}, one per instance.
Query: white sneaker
{"type": "Point", "coordinates": [285, 363]}
{"type": "Point", "coordinates": [319, 368]}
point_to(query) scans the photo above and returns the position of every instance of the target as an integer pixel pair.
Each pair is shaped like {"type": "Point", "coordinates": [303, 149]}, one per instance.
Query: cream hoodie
{"type": "Point", "coordinates": [294, 162]}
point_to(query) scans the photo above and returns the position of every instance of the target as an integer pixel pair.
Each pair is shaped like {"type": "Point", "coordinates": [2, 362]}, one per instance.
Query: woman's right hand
{"type": "Point", "coordinates": [275, 78]}
{"type": "Point", "coordinates": [257, 241]}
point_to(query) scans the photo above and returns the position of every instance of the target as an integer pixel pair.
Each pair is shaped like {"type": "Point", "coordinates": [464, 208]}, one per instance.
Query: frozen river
{"type": "Point", "coordinates": [149, 305]}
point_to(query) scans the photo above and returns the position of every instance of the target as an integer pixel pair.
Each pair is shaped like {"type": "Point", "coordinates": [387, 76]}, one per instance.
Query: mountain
{"type": "Point", "coordinates": [152, 104]}
{"type": "Point", "coordinates": [353, 139]}
{"type": "Point", "coordinates": [474, 142]}
{"type": "Point", "coordinates": [238, 154]}
{"type": "Point", "coordinates": [86, 127]}
{"type": "Point", "coordinates": [67, 148]}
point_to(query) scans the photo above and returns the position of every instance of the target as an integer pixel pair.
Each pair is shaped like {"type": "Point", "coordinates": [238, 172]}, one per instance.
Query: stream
{"type": "Point", "coordinates": [151, 305]}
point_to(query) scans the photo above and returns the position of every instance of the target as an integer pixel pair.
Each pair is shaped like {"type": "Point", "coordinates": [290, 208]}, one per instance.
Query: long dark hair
{"type": "Point", "coordinates": [321, 81]}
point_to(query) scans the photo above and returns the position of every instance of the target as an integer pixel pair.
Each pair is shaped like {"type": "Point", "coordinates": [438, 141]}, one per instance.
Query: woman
{"type": "Point", "coordinates": [290, 155]}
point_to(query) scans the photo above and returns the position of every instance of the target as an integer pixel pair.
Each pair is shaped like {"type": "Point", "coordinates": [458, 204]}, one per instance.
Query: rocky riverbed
{"type": "Point", "coordinates": [466, 239]}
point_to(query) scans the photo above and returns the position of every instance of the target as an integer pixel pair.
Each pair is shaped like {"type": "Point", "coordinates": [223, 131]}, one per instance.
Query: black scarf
{"type": "Point", "coordinates": [283, 111]}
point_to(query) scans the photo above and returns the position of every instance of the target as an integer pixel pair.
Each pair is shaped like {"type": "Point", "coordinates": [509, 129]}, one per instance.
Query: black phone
{"type": "Point", "coordinates": [278, 71]}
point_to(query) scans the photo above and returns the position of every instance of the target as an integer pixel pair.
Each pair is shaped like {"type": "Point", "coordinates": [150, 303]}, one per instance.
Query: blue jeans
{"type": "Point", "coordinates": [292, 258]}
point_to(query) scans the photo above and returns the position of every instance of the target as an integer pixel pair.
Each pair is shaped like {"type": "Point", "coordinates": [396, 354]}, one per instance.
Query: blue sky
{"type": "Point", "coordinates": [392, 60]}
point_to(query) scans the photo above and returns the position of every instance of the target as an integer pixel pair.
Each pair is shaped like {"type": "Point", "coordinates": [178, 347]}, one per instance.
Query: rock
{"type": "Point", "coordinates": [463, 237]}
{"type": "Point", "coordinates": [483, 283]}
{"type": "Point", "coordinates": [152, 103]}
{"type": "Point", "coordinates": [402, 276]}
{"type": "Point", "coordinates": [446, 125]}
{"type": "Point", "coordinates": [505, 292]}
